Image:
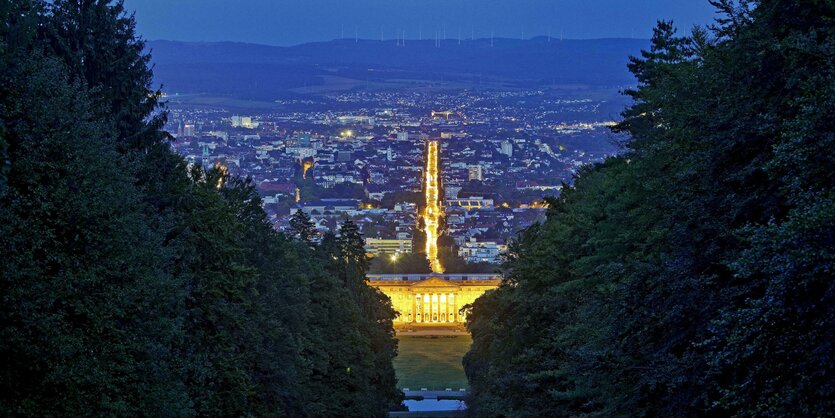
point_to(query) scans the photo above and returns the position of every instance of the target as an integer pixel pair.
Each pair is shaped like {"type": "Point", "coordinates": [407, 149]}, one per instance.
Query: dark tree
{"type": "Point", "coordinates": [135, 286]}
{"type": "Point", "coordinates": [97, 41]}
{"type": "Point", "coordinates": [690, 276]}
{"type": "Point", "coordinates": [301, 225]}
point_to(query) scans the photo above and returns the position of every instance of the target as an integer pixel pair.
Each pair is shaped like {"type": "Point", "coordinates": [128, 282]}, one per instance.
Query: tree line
{"type": "Point", "coordinates": [693, 274]}
{"type": "Point", "coordinates": [135, 284]}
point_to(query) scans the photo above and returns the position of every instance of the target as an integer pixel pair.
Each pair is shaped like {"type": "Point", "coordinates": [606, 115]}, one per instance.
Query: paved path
{"type": "Point", "coordinates": [421, 330]}
{"type": "Point", "coordinates": [428, 414]}
{"type": "Point", "coordinates": [431, 332]}
{"type": "Point", "coordinates": [435, 394]}
{"type": "Point", "coordinates": [432, 395]}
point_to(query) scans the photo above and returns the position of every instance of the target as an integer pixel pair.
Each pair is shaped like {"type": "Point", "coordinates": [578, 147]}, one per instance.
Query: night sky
{"type": "Point", "coordinates": [289, 22]}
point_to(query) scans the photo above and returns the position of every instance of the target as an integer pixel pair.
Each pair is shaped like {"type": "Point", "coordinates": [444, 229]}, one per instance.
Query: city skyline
{"type": "Point", "coordinates": [295, 22]}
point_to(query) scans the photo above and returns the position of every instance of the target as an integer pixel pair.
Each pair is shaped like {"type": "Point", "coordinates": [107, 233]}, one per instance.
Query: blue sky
{"type": "Point", "coordinates": [289, 22]}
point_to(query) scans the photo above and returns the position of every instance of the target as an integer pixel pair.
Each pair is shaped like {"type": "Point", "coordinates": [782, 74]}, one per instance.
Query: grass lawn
{"type": "Point", "coordinates": [431, 362]}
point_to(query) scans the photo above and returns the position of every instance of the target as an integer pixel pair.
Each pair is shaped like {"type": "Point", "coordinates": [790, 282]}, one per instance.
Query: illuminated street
{"type": "Point", "coordinates": [432, 212]}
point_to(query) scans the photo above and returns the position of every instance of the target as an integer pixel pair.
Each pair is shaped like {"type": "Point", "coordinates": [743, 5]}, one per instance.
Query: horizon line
{"type": "Point", "coordinates": [395, 40]}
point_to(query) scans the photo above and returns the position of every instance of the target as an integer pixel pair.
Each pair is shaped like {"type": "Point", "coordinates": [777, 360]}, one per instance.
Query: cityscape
{"type": "Point", "coordinates": [434, 208]}
{"type": "Point", "coordinates": [501, 153]}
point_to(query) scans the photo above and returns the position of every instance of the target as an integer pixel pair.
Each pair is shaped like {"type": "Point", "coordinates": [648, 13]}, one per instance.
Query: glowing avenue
{"type": "Point", "coordinates": [432, 212]}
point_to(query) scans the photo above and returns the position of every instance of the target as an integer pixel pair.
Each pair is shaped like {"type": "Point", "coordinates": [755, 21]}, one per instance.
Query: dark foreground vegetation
{"type": "Point", "coordinates": [134, 285]}
{"type": "Point", "coordinates": [693, 275]}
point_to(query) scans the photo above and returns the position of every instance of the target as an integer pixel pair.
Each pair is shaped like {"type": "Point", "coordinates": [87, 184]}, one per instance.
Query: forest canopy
{"type": "Point", "coordinates": [134, 284]}
{"type": "Point", "coordinates": [691, 275]}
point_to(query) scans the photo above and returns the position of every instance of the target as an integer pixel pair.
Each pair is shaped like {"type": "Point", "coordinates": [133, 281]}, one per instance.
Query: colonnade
{"type": "Point", "coordinates": [434, 307]}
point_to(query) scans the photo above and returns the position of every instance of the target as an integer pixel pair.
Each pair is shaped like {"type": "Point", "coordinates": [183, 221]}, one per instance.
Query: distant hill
{"type": "Point", "coordinates": [266, 72]}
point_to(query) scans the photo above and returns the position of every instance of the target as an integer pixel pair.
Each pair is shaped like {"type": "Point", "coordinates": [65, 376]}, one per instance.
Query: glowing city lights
{"type": "Point", "coordinates": [432, 212]}
{"type": "Point", "coordinates": [306, 166]}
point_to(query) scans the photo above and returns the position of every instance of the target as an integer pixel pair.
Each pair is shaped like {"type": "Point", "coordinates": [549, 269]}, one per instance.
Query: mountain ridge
{"type": "Point", "coordinates": [258, 71]}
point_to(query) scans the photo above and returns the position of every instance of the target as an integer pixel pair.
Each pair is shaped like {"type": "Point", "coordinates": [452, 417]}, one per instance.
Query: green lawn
{"type": "Point", "coordinates": [432, 362]}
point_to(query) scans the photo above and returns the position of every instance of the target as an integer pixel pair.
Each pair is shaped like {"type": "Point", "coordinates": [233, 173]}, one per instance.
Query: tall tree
{"type": "Point", "coordinates": [90, 317]}
{"type": "Point", "coordinates": [303, 228]}
{"type": "Point", "coordinates": [692, 275]}
{"type": "Point", "coordinates": [97, 41]}
{"type": "Point", "coordinates": [133, 285]}
{"type": "Point", "coordinates": [352, 251]}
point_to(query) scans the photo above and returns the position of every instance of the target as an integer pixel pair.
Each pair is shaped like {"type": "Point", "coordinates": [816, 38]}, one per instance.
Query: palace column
{"type": "Point", "coordinates": [442, 308]}
{"type": "Point", "coordinates": [418, 307]}
{"type": "Point", "coordinates": [454, 311]}
{"type": "Point", "coordinates": [433, 314]}
{"type": "Point", "coordinates": [451, 304]}
{"type": "Point", "coordinates": [427, 308]}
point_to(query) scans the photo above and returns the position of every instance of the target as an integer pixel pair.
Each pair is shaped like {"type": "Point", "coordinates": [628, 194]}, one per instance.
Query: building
{"type": "Point", "coordinates": [396, 246]}
{"type": "Point", "coordinates": [451, 192]}
{"type": "Point", "coordinates": [475, 172]}
{"type": "Point", "coordinates": [243, 122]}
{"type": "Point", "coordinates": [304, 140]}
{"type": "Point", "coordinates": [432, 299]}
{"type": "Point", "coordinates": [349, 207]}
{"type": "Point", "coordinates": [475, 251]}
{"type": "Point", "coordinates": [219, 134]}
{"type": "Point", "coordinates": [300, 152]}
{"type": "Point", "coordinates": [507, 148]}
{"type": "Point", "coordinates": [473, 203]}
{"type": "Point", "coordinates": [344, 156]}
{"type": "Point", "coordinates": [358, 120]}
{"type": "Point", "coordinates": [377, 191]}
{"type": "Point", "coordinates": [188, 130]}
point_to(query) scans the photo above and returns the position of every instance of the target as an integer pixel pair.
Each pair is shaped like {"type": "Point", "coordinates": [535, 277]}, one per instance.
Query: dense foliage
{"type": "Point", "coordinates": [693, 275]}
{"type": "Point", "coordinates": [135, 285]}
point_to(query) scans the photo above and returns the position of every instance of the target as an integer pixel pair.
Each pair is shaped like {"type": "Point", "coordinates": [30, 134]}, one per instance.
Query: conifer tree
{"type": "Point", "coordinates": [352, 247]}
{"type": "Point", "coordinates": [90, 318]}
{"type": "Point", "coordinates": [133, 286]}
{"type": "Point", "coordinates": [303, 228]}
{"type": "Point", "coordinates": [690, 276]}
{"type": "Point", "coordinates": [97, 41]}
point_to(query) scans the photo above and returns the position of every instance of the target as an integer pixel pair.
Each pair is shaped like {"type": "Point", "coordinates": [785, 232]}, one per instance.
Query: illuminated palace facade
{"type": "Point", "coordinates": [432, 299]}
